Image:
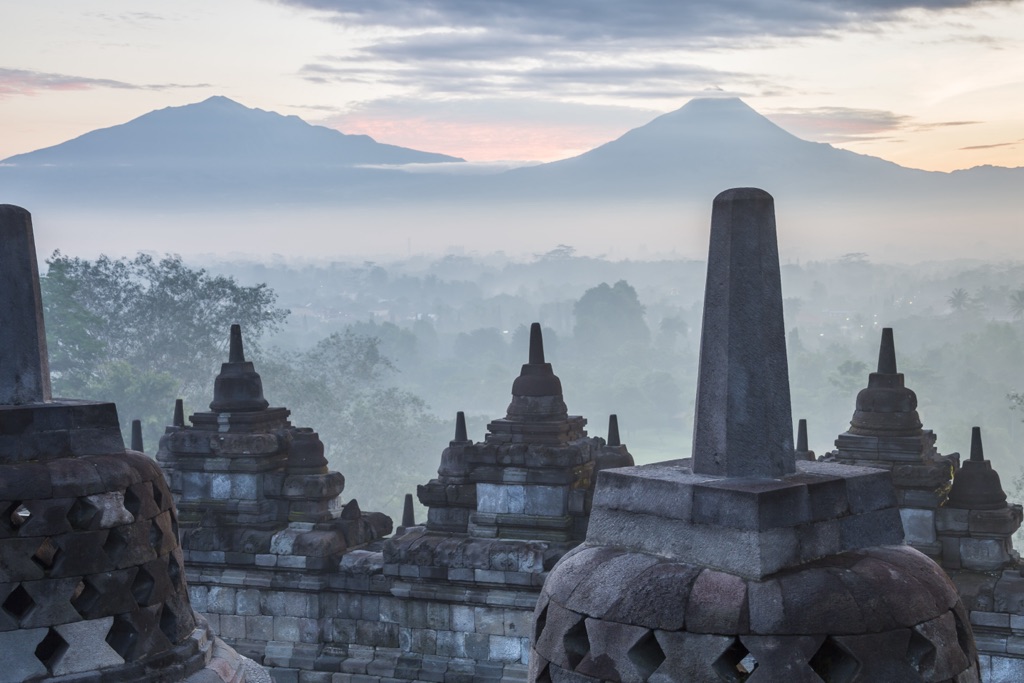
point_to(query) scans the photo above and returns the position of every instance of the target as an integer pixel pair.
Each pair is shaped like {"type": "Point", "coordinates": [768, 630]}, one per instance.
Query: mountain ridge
{"type": "Point", "coordinates": [220, 131]}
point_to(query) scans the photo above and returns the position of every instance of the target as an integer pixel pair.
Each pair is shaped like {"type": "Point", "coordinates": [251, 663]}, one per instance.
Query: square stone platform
{"type": "Point", "coordinates": [745, 526]}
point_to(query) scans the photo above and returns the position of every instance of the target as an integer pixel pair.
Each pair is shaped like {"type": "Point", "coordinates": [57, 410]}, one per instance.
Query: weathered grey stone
{"type": "Point", "coordinates": [947, 659]}
{"type": "Point", "coordinates": [689, 656]}
{"type": "Point", "coordinates": [609, 656]}
{"type": "Point", "coordinates": [743, 425]}
{"type": "Point", "coordinates": [24, 363]}
{"type": "Point", "coordinates": [718, 604]}
{"type": "Point", "coordinates": [604, 585]}
{"type": "Point", "coordinates": [983, 554]}
{"type": "Point", "coordinates": [87, 647]}
{"type": "Point", "coordinates": [20, 663]}
{"type": "Point", "coordinates": [782, 658]}
{"type": "Point", "coordinates": [918, 525]}
{"type": "Point", "coordinates": [657, 598]}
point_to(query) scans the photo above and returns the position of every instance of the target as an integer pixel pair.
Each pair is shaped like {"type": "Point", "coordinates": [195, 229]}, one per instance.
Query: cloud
{"type": "Point", "coordinates": [24, 82]}
{"type": "Point", "coordinates": [845, 124]}
{"type": "Point", "coordinates": [579, 21]}
{"type": "Point", "coordinates": [565, 77]}
{"type": "Point", "coordinates": [997, 144]}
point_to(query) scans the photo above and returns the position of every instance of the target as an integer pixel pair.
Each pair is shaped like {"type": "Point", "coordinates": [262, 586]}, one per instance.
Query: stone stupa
{"type": "Point", "coordinates": [742, 563]}
{"type": "Point", "coordinates": [92, 586]}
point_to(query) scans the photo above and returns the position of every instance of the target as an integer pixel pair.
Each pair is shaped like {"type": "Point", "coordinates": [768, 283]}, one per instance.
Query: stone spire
{"type": "Point", "coordinates": [613, 431]}
{"type": "Point", "coordinates": [537, 413]}
{"type": "Point", "coordinates": [802, 451]}
{"type": "Point", "coordinates": [179, 413]}
{"type": "Point", "coordinates": [886, 406]}
{"type": "Point", "coordinates": [238, 388]}
{"type": "Point", "coordinates": [460, 428]}
{"type": "Point", "coordinates": [24, 364]}
{"type": "Point", "coordinates": [537, 392]}
{"type": "Point", "coordinates": [408, 512]}
{"type": "Point", "coordinates": [976, 486]}
{"type": "Point", "coordinates": [137, 444]}
{"type": "Point", "coordinates": [743, 425]}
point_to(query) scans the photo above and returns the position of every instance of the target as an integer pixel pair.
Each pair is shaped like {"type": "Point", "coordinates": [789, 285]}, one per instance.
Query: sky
{"type": "Point", "coordinates": [931, 84]}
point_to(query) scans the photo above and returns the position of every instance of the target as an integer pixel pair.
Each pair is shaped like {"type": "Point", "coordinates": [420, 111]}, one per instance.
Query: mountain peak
{"type": "Point", "coordinates": [220, 132]}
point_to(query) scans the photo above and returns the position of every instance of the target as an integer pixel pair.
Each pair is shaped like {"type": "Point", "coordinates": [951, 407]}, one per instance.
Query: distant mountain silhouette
{"type": "Point", "coordinates": [714, 143]}
{"type": "Point", "coordinates": [220, 132]}
{"type": "Point", "coordinates": [219, 152]}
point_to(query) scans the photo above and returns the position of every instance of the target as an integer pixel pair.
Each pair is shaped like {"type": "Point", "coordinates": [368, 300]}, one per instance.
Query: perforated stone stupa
{"type": "Point", "coordinates": [92, 585]}
{"type": "Point", "coordinates": [742, 563]}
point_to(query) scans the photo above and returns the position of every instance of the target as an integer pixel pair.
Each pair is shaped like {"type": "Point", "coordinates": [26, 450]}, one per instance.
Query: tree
{"type": "Point", "coordinates": [959, 300]}
{"type": "Point", "coordinates": [610, 318]}
{"type": "Point", "coordinates": [380, 437]}
{"type": "Point", "coordinates": [141, 332]}
{"type": "Point", "coordinates": [1017, 303]}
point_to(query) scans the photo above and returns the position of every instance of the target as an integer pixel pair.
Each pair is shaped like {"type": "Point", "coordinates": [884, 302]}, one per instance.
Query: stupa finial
{"type": "Point", "coordinates": [613, 430]}
{"type": "Point", "coordinates": [137, 436]}
{"type": "Point", "coordinates": [887, 353]}
{"type": "Point", "coordinates": [460, 428]}
{"type": "Point", "coordinates": [977, 451]}
{"type": "Point", "coordinates": [235, 353]}
{"type": "Point", "coordinates": [536, 344]}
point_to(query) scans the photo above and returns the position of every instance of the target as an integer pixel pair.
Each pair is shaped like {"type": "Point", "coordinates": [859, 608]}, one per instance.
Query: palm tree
{"type": "Point", "coordinates": [1017, 303]}
{"type": "Point", "coordinates": [959, 299]}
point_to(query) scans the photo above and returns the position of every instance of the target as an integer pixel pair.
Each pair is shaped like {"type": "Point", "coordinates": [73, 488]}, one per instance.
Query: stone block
{"type": "Point", "coordinates": [451, 643]}
{"type": "Point", "coordinates": [500, 498]}
{"type": "Point", "coordinates": [661, 490]}
{"type": "Point", "coordinates": [87, 648]}
{"type": "Point", "coordinates": [990, 619]}
{"type": "Point", "coordinates": [504, 648]}
{"type": "Point", "coordinates": [688, 656]}
{"type": "Point", "coordinates": [1006, 669]}
{"type": "Point", "coordinates": [718, 604]}
{"type": "Point", "coordinates": [545, 500]}
{"type": "Point", "coordinates": [423, 640]}
{"type": "Point", "coordinates": [750, 504]}
{"type": "Point", "coordinates": [1009, 592]}
{"type": "Point", "coordinates": [983, 554]}
{"type": "Point", "coordinates": [949, 519]}
{"type": "Point", "coordinates": [463, 618]}
{"type": "Point", "coordinates": [259, 628]}
{"type": "Point", "coordinates": [20, 664]}
{"type": "Point", "coordinates": [918, 525]}
{"type": "Point", "coordinates": [606, 581]}
{"type": "Point", "coordinates": [232, 626]}
{"type": "Point", "coordinates": [1003, 522]}
{"type": "Point", "coordinates": [221, 600]}
{"type": "Point", "coordinates": [286, 629]}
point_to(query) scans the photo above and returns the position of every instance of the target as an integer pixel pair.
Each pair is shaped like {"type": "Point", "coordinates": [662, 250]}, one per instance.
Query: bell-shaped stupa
{"type": "Point", "coordinates": [742, 563]}
{"type": "Point", "coordinates": [92, 585]}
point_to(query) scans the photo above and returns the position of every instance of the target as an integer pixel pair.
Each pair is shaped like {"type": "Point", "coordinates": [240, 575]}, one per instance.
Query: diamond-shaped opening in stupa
{"type": "Point", "coordinates": [46, 554]}
{"type": "Point", "coordinates": [18, 603]}
{"type": "Point", "coordinates": [833, 663]}
{"type": "Point", "coordinates": [735, 664]}
{"type": "Point", "coordinates": [646, 655]}
{"type": "Point", "coordinates": [51, 649]}
{"type": "Point", "coordinates": [82, 514]}
{"type": "Point", "coordinates": [122, 637]}
{"type": "Point", "coordinates": [577, 643]}
{"type": "Point", "coordinates": [142, 586]}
